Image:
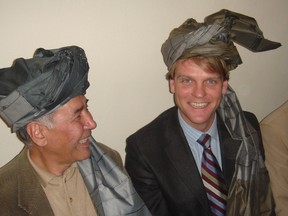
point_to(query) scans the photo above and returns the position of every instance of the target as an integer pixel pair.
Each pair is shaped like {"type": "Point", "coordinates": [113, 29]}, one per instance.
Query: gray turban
{"type": "Point", "coordinates": [215, 37]}
{"type": "Point", "coordinates": [33, 87]}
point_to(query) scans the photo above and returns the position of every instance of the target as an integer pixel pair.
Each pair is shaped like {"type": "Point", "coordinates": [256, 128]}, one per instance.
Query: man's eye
{"type": "Point", "coordinates": [185, 80]}
{"type": "Point", "coordinates": [211, 82]}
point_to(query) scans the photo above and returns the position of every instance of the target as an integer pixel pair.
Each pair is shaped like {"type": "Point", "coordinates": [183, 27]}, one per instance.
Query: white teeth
{"type": "Point", "coordinates": [83, 141]}
{"type": "Point", "coordinates": [199, 105]}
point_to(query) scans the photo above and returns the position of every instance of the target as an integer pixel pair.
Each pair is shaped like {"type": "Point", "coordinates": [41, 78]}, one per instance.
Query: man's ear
{"type": "Point", "coordinates": [225, 87]}
{"type": "Point", "coordinates": [172, 86]}
{"type": "Point", "coordinates": [36, 133]}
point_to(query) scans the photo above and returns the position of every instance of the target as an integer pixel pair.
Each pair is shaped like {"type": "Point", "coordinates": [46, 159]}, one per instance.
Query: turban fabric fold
{"type": "Point", "coordinates": [215, 37]}
{"type": "Point", "coordinates": [33, 87]}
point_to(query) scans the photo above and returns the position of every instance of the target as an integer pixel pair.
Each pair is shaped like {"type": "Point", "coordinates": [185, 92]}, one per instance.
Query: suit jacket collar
{"type": "Point", "coordinates": [32, 197]}
{"type": "Point", "coordinates": [179, 153]}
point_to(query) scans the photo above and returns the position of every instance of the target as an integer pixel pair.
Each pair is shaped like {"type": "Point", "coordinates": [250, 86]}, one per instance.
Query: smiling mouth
{"type": "Point", "coordinates": [82, 141]}
{"type": "Point", "coordinates": [199, 105]}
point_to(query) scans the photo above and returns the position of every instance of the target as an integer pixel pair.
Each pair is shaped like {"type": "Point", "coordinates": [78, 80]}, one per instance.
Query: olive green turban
{"type": "Point", "coordinates": [215, 37]}
{"type": "Point", "coordinates": [33, 87]}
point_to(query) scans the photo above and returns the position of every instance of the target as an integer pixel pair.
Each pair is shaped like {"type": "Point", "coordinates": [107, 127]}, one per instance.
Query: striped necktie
{"type": "Point", "coordinates": [213, 179]}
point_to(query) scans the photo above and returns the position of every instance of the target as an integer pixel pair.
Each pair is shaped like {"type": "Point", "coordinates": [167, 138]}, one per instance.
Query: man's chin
{"type": "Point", "coordinates": [84, 154]}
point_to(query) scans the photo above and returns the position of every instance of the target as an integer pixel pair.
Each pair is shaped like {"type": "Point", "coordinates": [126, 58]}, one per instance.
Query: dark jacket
{"type": "Point", "coordinates": [163, 171]}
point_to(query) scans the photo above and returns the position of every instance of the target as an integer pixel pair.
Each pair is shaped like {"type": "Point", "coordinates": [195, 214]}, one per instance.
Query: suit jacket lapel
{"type": "Point", "coordinates": [179, 153]}
{"type": "Point", "coordinates": [32, 197]}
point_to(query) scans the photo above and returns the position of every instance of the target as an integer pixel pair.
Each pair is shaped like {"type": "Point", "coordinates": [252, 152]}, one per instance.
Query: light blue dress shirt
{"type": "Point", "coordinates": [192, 136]}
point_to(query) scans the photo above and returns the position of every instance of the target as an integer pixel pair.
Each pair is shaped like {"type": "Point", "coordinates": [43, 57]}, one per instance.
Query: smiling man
{"type": "Point", "coordinates": [61, 170]}
{"type": "Point", "coordinates": [203, 156]}
{"type": "Point", "coordinates": [198, 90]}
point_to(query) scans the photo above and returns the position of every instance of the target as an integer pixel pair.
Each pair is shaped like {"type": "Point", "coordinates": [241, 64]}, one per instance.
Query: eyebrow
{"type": "Point", "coordinates": [218, 76]}
{"type": "Point", "coordinates": [81, 108]}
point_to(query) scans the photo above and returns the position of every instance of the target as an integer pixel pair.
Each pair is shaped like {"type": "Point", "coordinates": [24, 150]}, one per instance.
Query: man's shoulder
{"type": "Point", "coordinates": [16, 169]}
{"type": "Point", "coordinates": [252, 119]}
{"type": "Point", "coordinates": [112, 153]}
{"type": "Point", "coordinates": [10, 168]}
{"type": "Point", "coordinates": [9, 178]}
{"type": "Point", "coordinates": [279, 114]}
{"type": "Point", "coordinates": [106, 148]}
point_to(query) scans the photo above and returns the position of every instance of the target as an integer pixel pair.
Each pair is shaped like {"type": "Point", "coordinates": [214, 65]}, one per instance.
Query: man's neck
{"type": "Point", "coordinates": [42, 161]}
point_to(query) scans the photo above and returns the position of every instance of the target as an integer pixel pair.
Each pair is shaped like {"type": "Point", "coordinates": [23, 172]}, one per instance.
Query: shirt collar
{"type": "Point", "coordinates": [194, 133]}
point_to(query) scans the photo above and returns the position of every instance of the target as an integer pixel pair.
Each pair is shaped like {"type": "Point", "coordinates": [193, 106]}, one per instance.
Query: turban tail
{"type": "Point", "coordinates": [215, 37]}
{"type": "Point", "coordinates": [33, 87]}
{"type": "Point", "coordinates": [111, 190]}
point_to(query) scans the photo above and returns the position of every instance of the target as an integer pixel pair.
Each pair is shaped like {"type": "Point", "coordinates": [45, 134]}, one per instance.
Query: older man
{"type": "Point", "coordinates": [62, 170]}
{"type": "Point", "coordinates": [204, 156]}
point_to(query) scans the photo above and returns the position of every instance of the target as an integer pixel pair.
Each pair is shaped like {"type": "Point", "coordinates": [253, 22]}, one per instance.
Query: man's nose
{"type": "Point", "coordinates": [89, 122]}
{"type": "Point", "coordinates": [198, 90]}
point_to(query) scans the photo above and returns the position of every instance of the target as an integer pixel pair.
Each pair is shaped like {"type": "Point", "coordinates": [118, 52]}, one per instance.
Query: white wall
{"type": "Point", "coordinates": [122, 39]}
